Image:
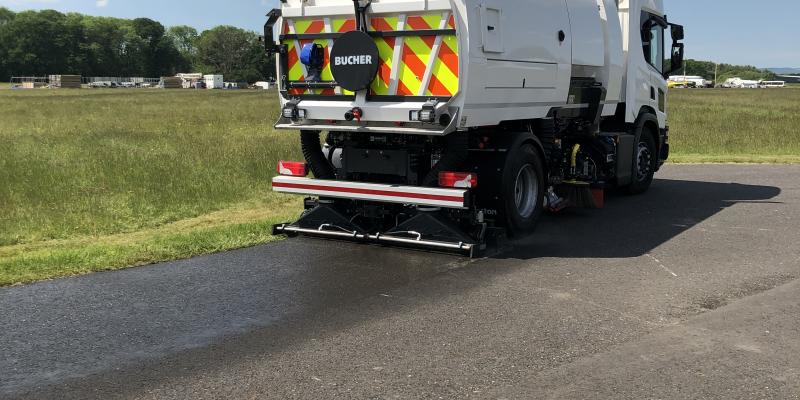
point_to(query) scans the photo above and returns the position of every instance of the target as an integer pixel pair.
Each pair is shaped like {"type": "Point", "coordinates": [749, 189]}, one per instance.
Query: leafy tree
{"type": "Point", "coordinates": [49, 42]}
{"type": "Point", "coordinates": [36, 44]}
{"type": "Point", "coordinates": [104, 46]}
{"type": "Point", "coordinates": [233, 52]}
{"type": "Point", "coordinates": [155, 52]}
{"type": "Point", "coordinates": [6, 16]}
{"type": "Point", "coordinates": [184, 38]}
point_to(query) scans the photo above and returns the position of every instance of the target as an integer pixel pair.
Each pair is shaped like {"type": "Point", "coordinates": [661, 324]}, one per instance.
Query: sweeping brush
{"type": "Point", "coordinates": [578, 194]}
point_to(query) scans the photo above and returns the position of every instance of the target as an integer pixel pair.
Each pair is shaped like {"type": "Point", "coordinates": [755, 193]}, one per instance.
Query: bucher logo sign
{"type": "Point", "coordinates": [354, 61]}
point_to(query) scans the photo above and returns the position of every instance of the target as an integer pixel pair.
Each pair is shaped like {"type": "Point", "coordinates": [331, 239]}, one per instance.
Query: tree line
{"type": "Point", "coordinates": [706, 69]}
{"type": "Point", "coordinates": [40, 43]}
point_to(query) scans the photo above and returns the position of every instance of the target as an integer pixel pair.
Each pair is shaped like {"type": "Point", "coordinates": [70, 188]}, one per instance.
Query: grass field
{"type": "Point", "coordinates": [96, 180]}
{"type": "Point", "coordinates": [730, 125]}
{"type": "Point", "coordinates": [105, 179]}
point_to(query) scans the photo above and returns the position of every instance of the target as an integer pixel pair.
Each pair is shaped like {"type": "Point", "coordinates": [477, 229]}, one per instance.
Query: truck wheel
{"type": "Point", "coordinates": [522, 190]}
{"type": "Point", "coordinates": [645, 163]}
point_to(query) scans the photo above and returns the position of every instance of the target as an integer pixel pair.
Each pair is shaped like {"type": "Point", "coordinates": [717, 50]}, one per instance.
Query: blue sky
{"type": "Point", "coordinates": [760, 33]}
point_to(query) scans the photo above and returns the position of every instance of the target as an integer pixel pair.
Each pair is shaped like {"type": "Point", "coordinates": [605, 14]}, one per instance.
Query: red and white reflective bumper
{"type": "Point", "coordinates": [421, 196]}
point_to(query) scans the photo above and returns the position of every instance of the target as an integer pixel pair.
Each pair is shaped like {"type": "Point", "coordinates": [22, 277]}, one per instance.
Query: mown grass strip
{"type": "Point", "coordinates": [238, 227]}
{"type": "Point", "coordinates": [734, 159]}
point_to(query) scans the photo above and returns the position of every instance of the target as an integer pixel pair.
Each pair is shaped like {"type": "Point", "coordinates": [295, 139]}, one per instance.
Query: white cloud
{"type": "Point", "coordinates": [102, 3]}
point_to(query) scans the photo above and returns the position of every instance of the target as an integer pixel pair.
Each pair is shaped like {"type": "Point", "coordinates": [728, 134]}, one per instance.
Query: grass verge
{"type": "Point", "coordinates": [236, 227]}
{"type": "Point", "coordinates": [684, 158]}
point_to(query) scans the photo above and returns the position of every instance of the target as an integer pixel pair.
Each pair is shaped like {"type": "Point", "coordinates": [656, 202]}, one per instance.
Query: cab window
{"type": "Point", "coordinates": [653, 41]}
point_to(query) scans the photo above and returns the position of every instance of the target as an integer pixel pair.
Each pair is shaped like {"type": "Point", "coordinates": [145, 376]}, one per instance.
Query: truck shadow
{"type": "Point", "coordinates": [632, 226]}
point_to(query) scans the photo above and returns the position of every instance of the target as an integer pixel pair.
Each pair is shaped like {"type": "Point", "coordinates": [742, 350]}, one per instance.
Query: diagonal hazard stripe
{"type": "Point", "coordinates": [403, 90]}
{"type": "Point", "coordinates": [437, 88]}
{"type": "Point", "coordinates": [442, 78]}
{"type": "Point", "coordinates": [344, 25]}
{"type": "Point", "coordinates": [327, 75]}
{"type": "Point", "coordinates": [429, 40]}
{"type": "Point", "coordinates": [418, 23]}
{"type": "Point", "coordinates": [448, 53]}
{"type": "Point", "coordinates": [385, 50]}
{"type": "Point", "coordinates": [292, 57]}
{"type": "Point", "coordinates": [433, 20]}
{"type": "Point", "coordinates": [381, 24]}
{"type": "Point", "coordinates": [413, 62]}
{"type": "Point", "coordinates": [317, 26]}
{"type": "Point", "coordinates": [419, 46]}
{"type": "Point", "coordinates": [309, 26]}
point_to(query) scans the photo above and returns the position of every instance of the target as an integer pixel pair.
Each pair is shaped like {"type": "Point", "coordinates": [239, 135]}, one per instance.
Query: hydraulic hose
{"type": "Point", "coordinates": [455, 155]}
{"type": "Point", "coordinates": [312, 151]}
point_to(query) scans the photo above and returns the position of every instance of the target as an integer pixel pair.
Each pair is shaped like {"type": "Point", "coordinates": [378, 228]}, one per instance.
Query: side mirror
{"type": "Point", "coordinates": [269, 33]}
{"type": "Point", "coordinates": [677, 58]}
{"type": "Point", "coordinates": [677, 32]}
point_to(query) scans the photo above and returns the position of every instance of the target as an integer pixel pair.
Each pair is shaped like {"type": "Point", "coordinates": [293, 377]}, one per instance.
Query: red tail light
{"type": "Point", "coordinates": [458, 180]}
{"type": "Point", "coordinates": [292, 168]}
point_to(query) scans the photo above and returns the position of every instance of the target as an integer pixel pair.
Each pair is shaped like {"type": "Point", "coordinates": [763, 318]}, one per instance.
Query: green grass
{"type": "Point", "coordinates": [5, 85]}
{"type": "Point", "coordinates": [84, 173]}
{"type": "Point", "coordinates": [730, 125]}
{"type": "Point", "coordinates": [104, 179]}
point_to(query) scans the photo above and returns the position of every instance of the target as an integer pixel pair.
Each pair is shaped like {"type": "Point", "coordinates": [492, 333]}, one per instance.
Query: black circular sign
{"type": "Point", "coordinates": [354, 61]}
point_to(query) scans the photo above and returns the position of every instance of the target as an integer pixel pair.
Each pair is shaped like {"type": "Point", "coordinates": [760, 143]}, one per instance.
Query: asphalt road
{"type": "Point", "coordinates": [690, 291]}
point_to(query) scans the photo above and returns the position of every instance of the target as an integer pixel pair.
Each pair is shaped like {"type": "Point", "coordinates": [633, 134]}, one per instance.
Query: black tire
{"type": "Point", "coordinates": [645, 163]}
{"type": "Point", "coordinates": [522, 190]}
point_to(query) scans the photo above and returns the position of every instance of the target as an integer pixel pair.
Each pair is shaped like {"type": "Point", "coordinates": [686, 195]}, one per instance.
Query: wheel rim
{"type": "Point", "coordinates": [644, 162]}
{"type": "Point", "coordinates": [526, 191]}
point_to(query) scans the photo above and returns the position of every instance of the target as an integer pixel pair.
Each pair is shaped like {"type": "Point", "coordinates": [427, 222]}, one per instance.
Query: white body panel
{"type": "Point", "coordinates": [590, 49]}
{"type": "Point", "coordinates": [512, 64]}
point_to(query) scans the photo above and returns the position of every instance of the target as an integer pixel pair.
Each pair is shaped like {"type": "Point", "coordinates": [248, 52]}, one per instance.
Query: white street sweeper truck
{"type": "Point", "coordinates": [440, 123]}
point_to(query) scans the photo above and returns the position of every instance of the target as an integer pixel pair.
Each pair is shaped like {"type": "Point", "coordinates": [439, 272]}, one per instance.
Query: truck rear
{"type": "Point", "coordinates": [438, 123]}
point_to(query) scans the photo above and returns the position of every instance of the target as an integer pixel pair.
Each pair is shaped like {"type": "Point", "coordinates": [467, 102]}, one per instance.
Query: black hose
{"type": "Point", "coordinates": [547, 132]}
{"type": "Point", "coordinates": [312, 151]}
{"type": "Point", "coordinates": [361, 15]}
{"type": "Point", "coordinates": [455, 155]}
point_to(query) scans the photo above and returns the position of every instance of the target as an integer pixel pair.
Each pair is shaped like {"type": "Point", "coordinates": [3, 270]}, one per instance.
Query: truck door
{"type": "Point", "coordinates": [653, 41]}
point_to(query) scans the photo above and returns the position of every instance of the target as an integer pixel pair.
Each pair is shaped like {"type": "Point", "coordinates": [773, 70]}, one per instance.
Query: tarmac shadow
{"type": "Point", "coordinates": [632, 226]}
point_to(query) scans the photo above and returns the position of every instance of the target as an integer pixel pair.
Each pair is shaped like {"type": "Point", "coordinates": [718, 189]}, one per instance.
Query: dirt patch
{"type": "Point", "coordinates": [750, 288]}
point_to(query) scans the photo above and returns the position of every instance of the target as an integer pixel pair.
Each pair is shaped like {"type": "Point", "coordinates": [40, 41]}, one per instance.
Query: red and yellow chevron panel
{"type": "Point", "coordinates": [410, 65]}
